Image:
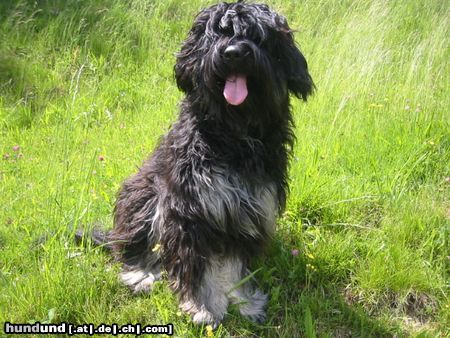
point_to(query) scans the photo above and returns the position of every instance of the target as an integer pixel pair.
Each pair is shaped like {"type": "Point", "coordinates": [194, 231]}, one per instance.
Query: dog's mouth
{"type": "Point", "coordinates": [235, 90]}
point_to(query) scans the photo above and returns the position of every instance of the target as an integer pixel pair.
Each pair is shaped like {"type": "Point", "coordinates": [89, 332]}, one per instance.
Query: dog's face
{"type": "Point", "coordinates": [240, 53]}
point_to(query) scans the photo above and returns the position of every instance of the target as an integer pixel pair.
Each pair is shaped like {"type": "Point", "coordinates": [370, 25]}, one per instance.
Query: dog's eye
{"type": "Point", "coordinates": [226, 30]}
{"type": "Point", "coordinates": [266, 45]}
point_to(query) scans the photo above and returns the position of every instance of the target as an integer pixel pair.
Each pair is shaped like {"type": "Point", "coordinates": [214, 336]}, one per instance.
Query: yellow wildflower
{"type": "Point", "coordinates": [209, 331]}
{"type": "Point", "coordinates": [312, 267]}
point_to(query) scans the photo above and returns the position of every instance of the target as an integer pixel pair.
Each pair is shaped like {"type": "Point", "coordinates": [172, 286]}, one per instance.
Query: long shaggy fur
{"type": "Point", "coordinates": [206, 200]}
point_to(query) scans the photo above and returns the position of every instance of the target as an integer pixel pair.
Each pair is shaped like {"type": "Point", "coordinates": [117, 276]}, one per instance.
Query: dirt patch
{"type": "Point", "coordinates": [416, 310]}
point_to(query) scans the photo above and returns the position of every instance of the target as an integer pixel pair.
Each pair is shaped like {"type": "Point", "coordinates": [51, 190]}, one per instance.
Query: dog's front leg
{"type": "Point", "coordinates": [193, 273]}
{"type": "Point", "coordinates": [223, 282]}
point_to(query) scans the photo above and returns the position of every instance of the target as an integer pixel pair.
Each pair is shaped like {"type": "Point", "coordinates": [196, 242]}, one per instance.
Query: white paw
{"type": "Point", "coordinates": [254, 307]}
{"type": "Point", "coordinates": [204, 317]}
{"type": "Point", "coordinates": [138, 280]}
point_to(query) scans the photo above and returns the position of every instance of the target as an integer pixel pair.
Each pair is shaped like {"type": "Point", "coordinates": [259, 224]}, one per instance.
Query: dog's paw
{"type": "Point", "coordinates": [258, 318]}
{"type": "Point", "coordinates": [145, 285]}
{"type": "Point", "coordinates": [200, 315]}
{"type": "Point", "coordinates": [254, 308]}
{"type": "Point", "coordinates": [139, 281]}
{"type": "Point", "coordinates": [204, 317]}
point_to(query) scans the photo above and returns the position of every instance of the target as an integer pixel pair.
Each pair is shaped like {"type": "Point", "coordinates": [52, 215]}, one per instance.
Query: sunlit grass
{"type": "Point", "coordinates": [86, 90]}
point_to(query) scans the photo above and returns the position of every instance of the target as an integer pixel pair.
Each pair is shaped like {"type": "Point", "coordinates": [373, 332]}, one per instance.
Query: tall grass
{"type": "Point", "coordinates": [86, 89]}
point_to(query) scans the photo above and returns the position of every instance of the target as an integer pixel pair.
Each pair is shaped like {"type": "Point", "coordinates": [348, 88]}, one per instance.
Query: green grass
{"type": "Point", "coordinates": [86, 89]}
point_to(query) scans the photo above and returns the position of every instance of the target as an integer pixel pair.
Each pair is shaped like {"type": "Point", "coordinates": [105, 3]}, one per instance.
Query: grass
{"type": "Point", "coordinates": [86, 89]}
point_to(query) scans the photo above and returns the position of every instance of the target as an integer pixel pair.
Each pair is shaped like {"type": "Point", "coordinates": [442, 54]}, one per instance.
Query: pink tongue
{"type": "Point", "coordinates": [235, 90]}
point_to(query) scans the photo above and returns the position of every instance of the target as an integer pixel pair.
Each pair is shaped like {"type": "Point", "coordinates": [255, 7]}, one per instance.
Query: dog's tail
{"type": "Point", "coordinates": [97, 236]}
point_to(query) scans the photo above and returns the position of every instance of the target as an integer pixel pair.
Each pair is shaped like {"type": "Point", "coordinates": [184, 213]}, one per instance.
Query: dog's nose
{"type": "Point", "coordinates": [233, 53]}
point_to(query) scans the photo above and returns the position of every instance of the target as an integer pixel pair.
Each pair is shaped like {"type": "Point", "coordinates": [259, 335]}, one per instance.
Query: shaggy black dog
{"type": "Point", "coordinates": [206, 200]}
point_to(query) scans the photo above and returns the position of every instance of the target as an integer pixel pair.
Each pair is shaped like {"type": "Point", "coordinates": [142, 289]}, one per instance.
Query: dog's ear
{"type": "Point", "coordinates": [185, 66]}
{"type": "Point", "coordinates": [189, 58]}
{"type": "Point", "coordinates": [299, 81]}
{"type": "Point", "coordinates": [294, 64]}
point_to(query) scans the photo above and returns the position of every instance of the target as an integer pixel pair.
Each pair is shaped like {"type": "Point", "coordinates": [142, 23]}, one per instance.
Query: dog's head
{"type": "Point", "coordinates": [242, 52]}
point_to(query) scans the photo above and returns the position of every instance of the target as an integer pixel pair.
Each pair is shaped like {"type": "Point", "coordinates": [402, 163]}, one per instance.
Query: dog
{"type": "Point", "coordinates": [206, 201]}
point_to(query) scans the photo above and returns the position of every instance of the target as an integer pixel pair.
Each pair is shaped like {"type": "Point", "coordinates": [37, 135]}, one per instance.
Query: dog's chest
{"type": "Point", "coordinates": [234, 202]}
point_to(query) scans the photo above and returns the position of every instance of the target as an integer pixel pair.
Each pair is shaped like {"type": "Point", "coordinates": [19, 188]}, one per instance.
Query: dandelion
{"type": "Point", "coordinates": [209, 331]}
{"type": "Point", "coordinates": [295, 252]}
{"type": "Point", "coordinates": [157, 247]}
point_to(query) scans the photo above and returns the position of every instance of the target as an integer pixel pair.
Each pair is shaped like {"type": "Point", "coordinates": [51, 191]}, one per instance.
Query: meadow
{"type": "Point", "coordinates": [87, 89]}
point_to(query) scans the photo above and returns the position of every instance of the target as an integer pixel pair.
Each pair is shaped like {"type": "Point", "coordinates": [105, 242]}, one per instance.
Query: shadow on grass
{"type": "Point", "coordinates": [304, 301]}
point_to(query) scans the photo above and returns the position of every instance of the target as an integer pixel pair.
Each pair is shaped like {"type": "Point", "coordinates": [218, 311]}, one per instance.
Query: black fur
{"type": "Point", "coordinates": [203, 193]}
